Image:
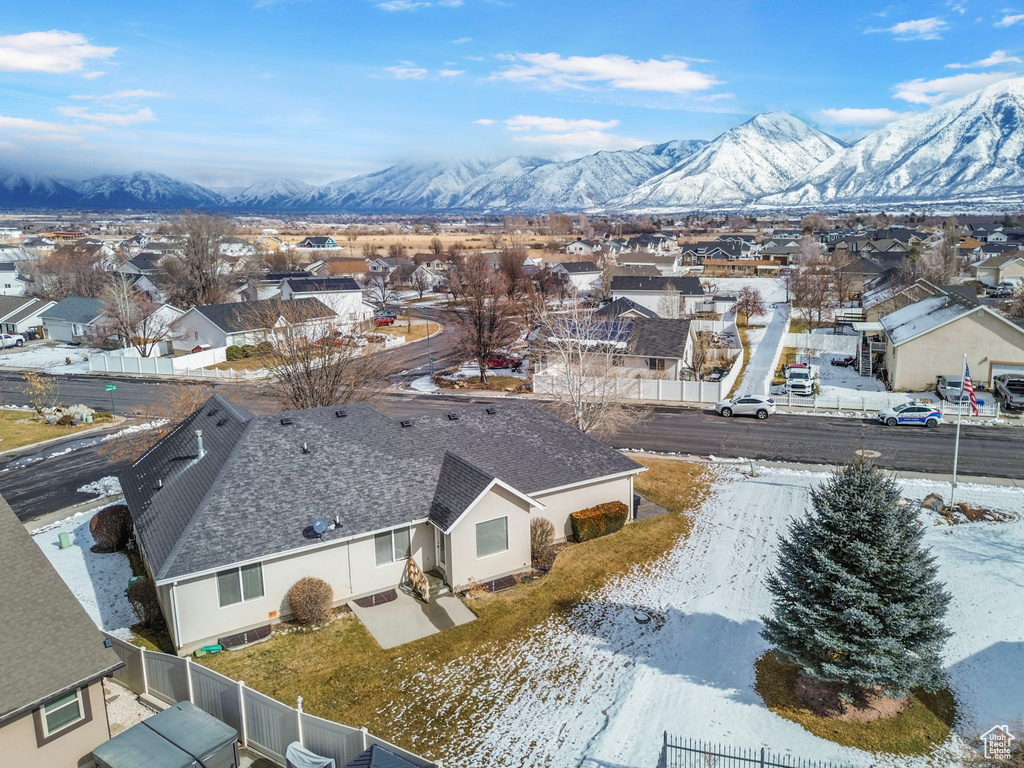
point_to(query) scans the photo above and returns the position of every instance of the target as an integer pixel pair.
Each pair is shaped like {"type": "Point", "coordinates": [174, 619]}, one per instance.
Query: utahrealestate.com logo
{"type": "Point", "coordinates": [998, 743]}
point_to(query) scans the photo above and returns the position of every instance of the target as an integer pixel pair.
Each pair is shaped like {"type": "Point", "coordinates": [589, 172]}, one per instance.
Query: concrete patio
{"type": "Point", "coordinates": [408, 618]}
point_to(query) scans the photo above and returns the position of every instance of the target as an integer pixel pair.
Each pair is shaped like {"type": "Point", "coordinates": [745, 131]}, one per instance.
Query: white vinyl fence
{"type": "Point", "coordinates": [264, 725]}
{"type": "Point", "coordinates": [822, 342]}
{"type": "Point", "coordinates": [190, 366]}
{"type": "Point", "coordinates": [876, 401]}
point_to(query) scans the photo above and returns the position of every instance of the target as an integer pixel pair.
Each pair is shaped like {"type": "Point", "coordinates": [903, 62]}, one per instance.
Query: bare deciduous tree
{"type": "Point", "coordinates": [700, 354]}
{"type": "Point", "coordinates": [436, 246]}
{"type": "Point", "coordinates": [134, 317]}
{"type": "Point", "coordinates": [421, 282]}
{"type": "Point", "coordinates": [670, 303]}
{"type": "Point", "coordinates": [749, 303]}
{"type": "Point", "coordinates": [584, 355]}
{"type": "Point", "coordinates": [486, 319]}
{"type": "Point", "coordinates": [42, 391]}
{"type": "Point", "coordinates": [381, 289]}
{"type": "Point", "coordinates": [199, 276]}
{"type": "Point", "coordinates": [71, 270]}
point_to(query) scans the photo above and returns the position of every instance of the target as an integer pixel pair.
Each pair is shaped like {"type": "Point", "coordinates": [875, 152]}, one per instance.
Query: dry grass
{"type": "Point", "coordinates": [342, 673]}
{"type": "Point", "coordinates": [494, 383]}
{"type": "Point", "coordinates": [924, 725]}
{"type": "Point", "coordinates": [21, 428]}
{"type": "Point", "coordinates": [745, 343]}
{"type": "Point", "coordinates": [417, 331]}
{"type": "Point", "coordinates": [245, 364]}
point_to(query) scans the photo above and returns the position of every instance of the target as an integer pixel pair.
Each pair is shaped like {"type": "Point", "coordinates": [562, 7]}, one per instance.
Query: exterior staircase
{"type": "Point", "coordinates": [864, 361]}
{"type": "Point", "coordinates": [437, 583]}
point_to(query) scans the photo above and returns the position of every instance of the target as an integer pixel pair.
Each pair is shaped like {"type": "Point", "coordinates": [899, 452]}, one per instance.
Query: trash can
{"type": "Point", "coordinates": [636, 504]}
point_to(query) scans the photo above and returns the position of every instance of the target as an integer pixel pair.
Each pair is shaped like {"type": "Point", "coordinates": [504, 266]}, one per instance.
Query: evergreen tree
{"type": "Point", "coordinates": [855, 596]}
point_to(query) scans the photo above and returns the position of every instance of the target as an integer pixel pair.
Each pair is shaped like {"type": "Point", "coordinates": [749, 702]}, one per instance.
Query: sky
{"type": "Point", "coordinates": [229, 92]}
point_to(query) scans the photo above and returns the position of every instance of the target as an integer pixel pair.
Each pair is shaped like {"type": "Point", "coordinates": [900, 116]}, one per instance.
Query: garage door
{"type": "Point", "coordinates": [1017, 369]}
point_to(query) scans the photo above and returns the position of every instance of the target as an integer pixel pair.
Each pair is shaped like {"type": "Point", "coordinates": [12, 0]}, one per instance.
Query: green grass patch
{"type": "Point", "coordinates": [21, 428]}
{"type": "Point", "coordinates": [924, 725]}
{"type": "Point", "coordinates": [342, 674]}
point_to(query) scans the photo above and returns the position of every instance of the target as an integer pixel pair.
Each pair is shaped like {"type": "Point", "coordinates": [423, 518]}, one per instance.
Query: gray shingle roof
{"type": "Point", "coordinates": [921, 317]}
{"type": "Point", "coordinates": [75, 309]}
{"type": "Point", "coordinates": [458, 485]}
{"type": "Point", "coordinates": [48, 643]}
{"type": "Point", "coordinates": [16, 304]}
{"type": "Point", "coordinates": [580, 267]}
{"type": "Point", "coordinates": [378, 757]}
{"type": "Point", "coordinates": [256, 493]}
{"type": "Point", "coordinates": [660, 337]}
{"type": "Point", "coordinates": [622, 305]}
{"type": "Point", "coordinates": [319, 284]}
{"type": "Point", "coordinates": [687, 286]}
{"type": "Point", "coordinates": [242, 316]}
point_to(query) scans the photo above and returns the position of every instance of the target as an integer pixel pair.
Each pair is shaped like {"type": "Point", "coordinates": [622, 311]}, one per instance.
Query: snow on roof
{"type": "Point", "coordinates": [921, 317]}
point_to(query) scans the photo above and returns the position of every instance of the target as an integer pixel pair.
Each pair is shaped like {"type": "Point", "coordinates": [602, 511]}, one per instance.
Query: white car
{"type": "Point", "coordinates": [747, 405]}
{"type": "Point", "coordinates": [911, 413]}
{"type": "Point", "coordinates": [11, 340]}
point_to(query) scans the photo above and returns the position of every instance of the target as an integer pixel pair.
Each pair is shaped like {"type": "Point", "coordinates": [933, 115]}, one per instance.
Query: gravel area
{"type": "Point", "coordinates": [123, 707]}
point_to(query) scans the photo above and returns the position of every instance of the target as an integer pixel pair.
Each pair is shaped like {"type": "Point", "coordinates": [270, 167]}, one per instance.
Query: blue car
{"type": "Point", "coordinates": [910, 413]}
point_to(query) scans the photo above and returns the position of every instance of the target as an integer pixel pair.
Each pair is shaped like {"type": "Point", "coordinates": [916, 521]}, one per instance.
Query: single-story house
{"type": "Point", "coordinates": [12, 282]}
{"type": "Point", "coordinates": [652, 292]}
{"type": "Point", "coordinates": [143, 263]}
{"type": "Point", "coordinates": [624, 308]}
{"type": "Point", "coordinates": [582, 247]}
{"type": "Point", "coordinates": [52, 709]}
{"type": "Point", "coordinates": [426, 275]}
{"type": "Point", "coordinates": [665, 263]}
{"type": "Point", "coordinates": [73, 319]}
{"type": "Point", "coordinates": [583, 276]}
{"type": "Point", "coordinates": [928, 339]}
{"type": "Point", "coordinates": [339, 292]}
{"type": "Point", "coordinates": [239, 323]}
{"type": "Point", "coordinates": [318, 242]}
{"type": "Point", "coordinates": [19, 314]}
{"type": "Point", "coordinates": [224, 505]}
{"type": "Point", "coordinates": [741, 267]}
{"type": "Point", "coordinates": [1006, 267]}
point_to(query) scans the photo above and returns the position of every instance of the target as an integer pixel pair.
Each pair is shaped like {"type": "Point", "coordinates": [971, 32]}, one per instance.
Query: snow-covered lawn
{"type": "Point", "coordinates": [772, 289]}
{"type": "Point", "coordinates": [764, 346]}
{"type": "Point", "coordinates": [599, 688]}
{"type": "Point", "coordinates": [97, 580]}
{"type": "Point", "coordinates": [49, 357]}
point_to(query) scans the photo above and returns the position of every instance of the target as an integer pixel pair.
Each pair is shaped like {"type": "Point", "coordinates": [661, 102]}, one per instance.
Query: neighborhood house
{"type": "Point", "coordinates": [224, 505]}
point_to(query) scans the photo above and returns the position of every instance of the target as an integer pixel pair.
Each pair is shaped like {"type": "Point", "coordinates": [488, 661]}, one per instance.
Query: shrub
{"type": "Point", "coordinates": [111, 528]}
{"type": "Point", "coordinates": [248, 350]}
{"type": "Point", "coordinates": [597, 521]}
{"type": "Point", "coordinates": [263, 349]}
{"type": "Point", "coordinates": [65, 420]}
{"type": "Point", "coordinates": [234, 352]}
{"type": "Point", "coordinates": [142, 596]}
{"type": "Point", "coordinates": [542, 535]}
{"type": "Point", "coordinates": [311, 600]}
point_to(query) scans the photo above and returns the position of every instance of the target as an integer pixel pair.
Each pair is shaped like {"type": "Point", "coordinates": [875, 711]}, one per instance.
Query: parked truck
{"type": "Point", "coordinates": [1010, 387]}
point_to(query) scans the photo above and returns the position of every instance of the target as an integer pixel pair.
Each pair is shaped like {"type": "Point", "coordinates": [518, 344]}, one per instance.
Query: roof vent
{"type": "Point", "coordinates": [200, 450]}
{"type": "Point", "coordinates": [406, 422]}
{"type": "Point", "coordinates": [222, 421]}
{"type": "Point", "coordinates": [492, 410]}
{"type": "Point", "coordinates": [453, 417]}
{"type": "Point", "coordinates": [159, 483]}
{"type": "Point", "coordinates": [285, 422]}
{"type": "Point", "coordinates": [213, 412]}
{"type": "Point", "coordinates": [305, 447]}
{"type": "Point", "coordinates": [340, 414]}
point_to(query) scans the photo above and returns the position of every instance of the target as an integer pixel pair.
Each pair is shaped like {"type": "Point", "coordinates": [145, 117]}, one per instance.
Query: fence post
{"type": "Point", "coordinates": [188, 678]}
{"type": "Point", "coordinates": [241, 711]}
{"type": "Point", "coordinates": [363, 733]}
{"type": "Point", "coordinates": [145, 677]}
{"type": "Point", "coordinates": [762, 757]}
{"type": "Point", "coordinates": [298, 717]}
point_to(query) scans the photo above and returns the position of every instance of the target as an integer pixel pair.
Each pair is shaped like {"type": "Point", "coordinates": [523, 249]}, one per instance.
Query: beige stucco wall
{"type": "Point", "coordinates": [559, 505]}
{"type": "Point", "coordinates": [986, 340]}
{"type": "Point", "coordinates": [464, 565]}
{"type": "Point", "coordinates": [349, 567]}
{"type": "Point", "coordinates": [19, 744]}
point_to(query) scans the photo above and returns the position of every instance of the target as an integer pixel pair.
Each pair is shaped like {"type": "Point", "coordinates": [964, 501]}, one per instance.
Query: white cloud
{"type": "Point", "coordinates": [862, 118]}
{"type": "Point", "coordinates": [34, 126]}
{"type": "Point", "coordinates": [556, 124]}
{"type": "Point", "coordinates": [918, 29]}
{"type": "Point", "coordinates": [144, 115]}
{"type": "Point", "coordinates": [590, 140]}
{"type": "Point", "coordinates": [997, 58]}
{"type": "Point", "coordinates": [933, 92]}
{"type": "Point", "coordinates": [579, 134]}
{"type": "Point", "coordinates": [449, 3]}
{"type": "Point", "coordinates": [485, 121]}
{"type": "Point", "coordinates": [406, 72]}
{"type": "Point", "coordinates": [401, 5]}
{"type": "Point", "coordinates": [1010, 19]}
{"type": "Point", "coordinates": [451, 72]}
{"type": "Point", "coordinates": [54, 51]}
{"type": "Point", "coordinates": [129, 95]}
{"type": "Point", "coordinates": [462, 40]}
{"type": "Point", "coordinates": [552, 70]}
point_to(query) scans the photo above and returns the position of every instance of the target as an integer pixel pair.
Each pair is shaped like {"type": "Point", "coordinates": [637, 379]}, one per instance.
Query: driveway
{"type": "Point", "coordinates": [765, 344]}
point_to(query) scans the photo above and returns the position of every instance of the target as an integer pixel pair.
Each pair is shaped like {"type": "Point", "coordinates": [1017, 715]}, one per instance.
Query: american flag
{"type": "Point", "coordinates": [969, 389]}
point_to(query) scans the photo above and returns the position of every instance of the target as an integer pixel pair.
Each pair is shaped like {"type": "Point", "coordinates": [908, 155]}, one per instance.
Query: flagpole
{"type": "Point", "coordinates": [959, 418]}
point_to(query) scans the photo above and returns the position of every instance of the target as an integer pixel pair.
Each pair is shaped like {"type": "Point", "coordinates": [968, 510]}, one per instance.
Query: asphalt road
{"type": "Point", "coordinates": [40, 487]}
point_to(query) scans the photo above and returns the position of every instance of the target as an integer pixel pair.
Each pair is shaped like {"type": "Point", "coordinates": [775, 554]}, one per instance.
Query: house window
{"type": "Point", "coordinates": [442, 555]}
{"type": "Point", "coordinates": [238, 584]}
{"type": "Point", "coordinates": [656, 363]}
{"type": "Point", "coordinates": [393, 546]}
{"type": "Point", "coordinates": [63, 712]}
{"type": "Point", "coordinates": [491, 537]}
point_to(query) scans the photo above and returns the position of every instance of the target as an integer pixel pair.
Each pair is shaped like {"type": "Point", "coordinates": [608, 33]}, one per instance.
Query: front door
{"type": "Point", "coordinates": [440, 550]}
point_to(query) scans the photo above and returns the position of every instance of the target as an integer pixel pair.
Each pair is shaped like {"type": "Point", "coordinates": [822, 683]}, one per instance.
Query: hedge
{"type": "Point", "coordinates": [234, 352]}
{"type": "Point", "coordinates": [597, 521]}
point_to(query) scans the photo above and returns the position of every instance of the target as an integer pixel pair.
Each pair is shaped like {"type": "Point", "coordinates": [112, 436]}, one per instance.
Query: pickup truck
{"type": "Point", "coordinates": [1010, 387]}
{"type": "Point", "coordinates": [800, 379]}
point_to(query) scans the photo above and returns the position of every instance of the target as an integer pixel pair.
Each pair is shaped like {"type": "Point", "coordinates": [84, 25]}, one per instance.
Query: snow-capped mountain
{"type": "Point", "coordinates": [269, 195]}
{"type": "Point", "coordinates": [144, 189]}
{"type": "Point", "coordinates": [765, 154]}
{"type": "Point", "coordinates": [969, 148]}
{"type": "Point", "coordinates": [31, 190]}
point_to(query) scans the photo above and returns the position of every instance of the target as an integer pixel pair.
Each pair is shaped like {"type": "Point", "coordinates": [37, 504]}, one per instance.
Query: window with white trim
{"type": "Point", "coordinates": [491, 537]}
{"type": "Point", "coordinates": [62, 713]}
{"type": "Point", "coordinates": [393, 546]}
{"type": "Point", "coordinates": [237, 585]}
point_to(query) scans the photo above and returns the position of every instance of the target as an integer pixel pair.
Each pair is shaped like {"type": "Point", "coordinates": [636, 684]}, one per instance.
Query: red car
{"type": "Point", "coordinates": [504, 361]}
{"type": "Point", "coordinates": [379, 321]}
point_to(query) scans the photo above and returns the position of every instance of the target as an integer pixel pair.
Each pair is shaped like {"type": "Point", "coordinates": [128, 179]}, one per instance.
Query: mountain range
{"type": "Point", "coordinates": [970, 149]}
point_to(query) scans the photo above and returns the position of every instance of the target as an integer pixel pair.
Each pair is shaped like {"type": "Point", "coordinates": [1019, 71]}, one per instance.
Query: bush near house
{"type": "Point", "coordinates": [597, 521]}
{"type": "Point", "coordinates": [311, 600]}
{"type": "Point", "coordinates": [542, 536]}
{"type": "Point", "coordinates": [111, 528]}
{"type": "Point", "coordinates": [142, 596]}
{"type": "Point", "coordinates": [234, 352]}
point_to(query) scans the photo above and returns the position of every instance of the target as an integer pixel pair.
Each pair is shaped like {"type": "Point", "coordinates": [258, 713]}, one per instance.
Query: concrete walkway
{"type": "Point", "coordinates": [408, 618]}
{"type": "Point", "coordinates": [764, 347]}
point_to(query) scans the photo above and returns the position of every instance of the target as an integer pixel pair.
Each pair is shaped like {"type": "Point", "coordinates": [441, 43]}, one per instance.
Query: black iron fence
{"type": "Point", "coordinates": [678, 752]}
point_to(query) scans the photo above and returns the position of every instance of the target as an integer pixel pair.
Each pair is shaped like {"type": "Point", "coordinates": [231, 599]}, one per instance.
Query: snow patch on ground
{"type": "Point", "coordinates": [135, 429]}
{"type": "Point", "coordinates": [598, 688]}
{"type": "Point", "coordinates": [52, 359]}
{"type": "Point", "coordinates": [97, 580]}
{"type": "Point", "coordinates": [424, 384]}
{"type": "Point", "coordinates": [772, 289]}
{"type": "Point", "coordinates": [763, 347]}
{"type": "Point", "coordinates": [105, 486]}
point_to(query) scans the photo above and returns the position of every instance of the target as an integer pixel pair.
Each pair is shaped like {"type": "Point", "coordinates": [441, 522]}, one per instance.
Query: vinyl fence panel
{"type": "Point", "coordinates": [131, 675]}
{"type": "Point", "coordinates": [167, 676]}
{"type": "Point", "coordinates": [271, 725]}
{"type": "Point", "coordinates": [331, 739]}
{"type": "Point", "coordinates": [217, 695]}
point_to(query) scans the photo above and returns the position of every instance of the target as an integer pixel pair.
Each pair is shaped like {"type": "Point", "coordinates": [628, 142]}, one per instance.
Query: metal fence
{"type": "Point", "coordinates": [264, 725]}
{"type": "Point", "coordinates": [690, 753]}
